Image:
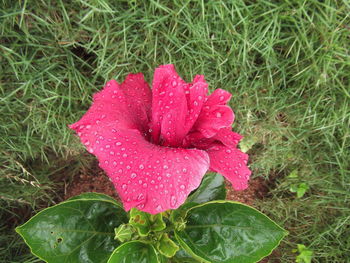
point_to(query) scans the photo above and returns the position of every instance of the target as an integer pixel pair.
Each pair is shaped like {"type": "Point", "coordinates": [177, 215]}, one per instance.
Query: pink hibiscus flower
{"type": "Point", "coordinates": [156, 146]}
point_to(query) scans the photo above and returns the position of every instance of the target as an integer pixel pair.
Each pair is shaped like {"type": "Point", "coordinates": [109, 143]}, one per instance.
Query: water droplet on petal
{"type": "Point", "coordinates": [133, 175]}
{"type": "Point", "coordinates": [182, 187]}
{"type": "Point", "coordinates": [173, 201]}
{"type": "Point", "coordinates": [141, 166]}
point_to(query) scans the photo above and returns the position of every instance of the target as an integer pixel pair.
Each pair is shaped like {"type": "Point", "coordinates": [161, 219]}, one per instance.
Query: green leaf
{"type": "Point", "coordinates": [145, 223]}
{"type": "Point", "coordinates": [177, 216]}
{"type": "Point", "coordinates": [305, 254]}
{"type": "Point", "coordinates": [166, 246]}
{"type": "Point", "coordinates": [124, 232]}
{"type": "Point", "coordinates": [182, 256]}
{"type": "Point", "coordinates": [228, 232]}
{"type": "Point", "coordinates": [247, 143]}
{"type": "Point", "coordinates": [302, 188]}
{"type": "Point", "coordinates": [140, 220]}
{"type": "Point", "coordinates": [293, 174]}
{"type": "Point", "coordinates": [78, 230]}
{"type": "Point", "coordinates": [212, 188]}
{"type": "Point", "coordinates": [134, 252]}
{"type": "Point", "coordinates": [94, 196]}
{"type": "Point", "coordinates": [157, 222]}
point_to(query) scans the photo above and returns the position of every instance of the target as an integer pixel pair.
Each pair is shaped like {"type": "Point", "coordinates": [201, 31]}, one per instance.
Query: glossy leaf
{"type": "Point", "coordinates": [134, 252]}
{"type": "Point", "coordinates": [228, 232]}
{"type": "Point", "coordinates": [166, 246]}
{"type": "Point", "coordinates": [78, 230]}
{"type": "Point", "coordinates": [212, 188]}
{"type": "Point", "coordinates": [182, 256]}
{"type": "Point", "coordinates": [124, 232]}
{"type": "Point", "coordinates": [94, 196]}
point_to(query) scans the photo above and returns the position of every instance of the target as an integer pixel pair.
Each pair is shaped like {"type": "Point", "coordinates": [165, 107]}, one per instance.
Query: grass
{"type": "Point", "coordinates": [286, 63]}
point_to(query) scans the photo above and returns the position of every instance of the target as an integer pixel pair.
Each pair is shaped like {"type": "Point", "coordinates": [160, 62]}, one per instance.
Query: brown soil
{"type": "Point", "coordinates": [257, 190]}
{"type": "Point", "coordinates": [95, 180]}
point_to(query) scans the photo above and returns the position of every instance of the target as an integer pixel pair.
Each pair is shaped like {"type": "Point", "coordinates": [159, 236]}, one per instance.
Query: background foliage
{"type": "Point", "coordinates": [287, 64]}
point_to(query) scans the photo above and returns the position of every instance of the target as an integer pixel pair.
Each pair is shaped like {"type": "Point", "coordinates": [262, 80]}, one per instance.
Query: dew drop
{"type": "Point", "coordinates": [173, 200]}
{"type": "Point", "coordinates": [118, 143]}
{"type": "Point", "coordinates": [182, 187]}
{"type": "Point", "coordinates": [133, 175]}
{"type": "Point", "coordinates": [124, 186]}
{"type": "Point", "coordinates": [218, 114]}
{"type": "Point", "coordinates": [140, 197]}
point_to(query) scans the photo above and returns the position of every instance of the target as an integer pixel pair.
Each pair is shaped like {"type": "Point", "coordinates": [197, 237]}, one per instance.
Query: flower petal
{"type": "Point", "coordinates": [176, 105]}
{"type": "Point", "coordinates": [215, 114]}
{"type": "Point", "coordinates": [169, 106]}
{"type": "Point", "coordinates": [231, 163]}
{"type": "Point", "coordinates": [228, 137]}
{"type": "Point", "coordinates": [196, 95]}
{"type": "Point", "coordinates": [214, 118]}
{"type": "Point", "coordinates": [150, 177]}
{"type": "Point", "coordinates": [127, 104]}
{"type": "Point", "coordinates": [218, 97]}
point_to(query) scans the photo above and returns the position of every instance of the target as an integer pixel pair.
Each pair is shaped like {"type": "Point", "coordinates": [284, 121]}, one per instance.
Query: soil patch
{"type": "Point", "coordinates": [94, 180]}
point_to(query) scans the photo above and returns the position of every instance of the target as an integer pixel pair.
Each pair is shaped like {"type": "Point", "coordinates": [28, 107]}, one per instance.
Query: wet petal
{"type": "Point", "coordinates": [228, 137]}
{"type": "Point", "coordinates": [196, 95]}
{"type": "Point", "coordinates": [176, 105]}
{"type": "Point", "coordinates": [231, 163]}
{"type": "Point", "coordinates": [214, 118]}
{"type": "Point", "coordinates": [224, 136]}
{"type": "Point", "coordinates": [218, 97]}
{"type": "Point", "coordinates": [150, 177]}
{"type": "Point", "coordinates": [128, 105]}
{"type": "Point", "coordinates": [215, 114]}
